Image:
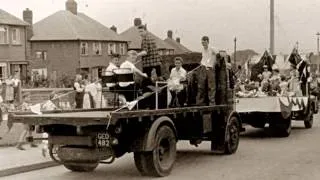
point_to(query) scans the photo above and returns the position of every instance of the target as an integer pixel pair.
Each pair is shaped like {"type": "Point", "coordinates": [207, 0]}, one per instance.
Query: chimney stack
{"type": "Point", "coordinates": [71, 6]}
{"type": "Point", "coordinates": [169, 34]}
{"type": "Point", "coordinates": [114, 28]}
{"type": "Point", "coordinates": [178, 40]}
{"type": "Point", "coordinates": [137, 22]}
{"type": "Point", "coordinates": [27, 16]}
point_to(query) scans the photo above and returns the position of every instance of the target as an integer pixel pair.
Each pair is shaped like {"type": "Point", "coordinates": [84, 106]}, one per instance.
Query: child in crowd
{"type": "Point", "coordinates": [25, 106]}
{"type": "Point", "coordinates": [284, 86]}
{"type": "Point", "coordinates": [294, 84]}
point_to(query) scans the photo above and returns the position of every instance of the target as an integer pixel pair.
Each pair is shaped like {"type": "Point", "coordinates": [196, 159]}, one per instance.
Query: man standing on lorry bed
{"type": "Point", "coordinates": [150, 59]}
{"type": "Point", "coordinates": [207, 74]}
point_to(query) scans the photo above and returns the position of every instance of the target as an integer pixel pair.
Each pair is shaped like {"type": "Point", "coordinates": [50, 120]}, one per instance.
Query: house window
{"type": "Point", "coordinates": [3, 35]}
{"type": "Point", "coordinates": [84, 48]}
{"type": "Point", "coordinates": [96, 48]}
{"type": "Point", "coordinates": [111, 48]}
{"type": "Point", "coordinates": [41, 55]}
{"type": "Point", "coordinates": [15, 36]}
{"type": "Point", "coordinates": [44, 53]}
{"type": "Point", "coordinates": [122, 49]}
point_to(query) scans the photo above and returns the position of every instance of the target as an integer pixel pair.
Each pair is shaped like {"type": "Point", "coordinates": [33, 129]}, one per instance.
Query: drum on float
{"type": "Point", "coordinates": [109, 79]}
{"type": "Point", "coordinates": [124, 76]}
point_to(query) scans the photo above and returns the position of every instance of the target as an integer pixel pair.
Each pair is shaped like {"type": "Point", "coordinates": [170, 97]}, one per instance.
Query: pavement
{"type": "Point", "coordinates": [14, 161]}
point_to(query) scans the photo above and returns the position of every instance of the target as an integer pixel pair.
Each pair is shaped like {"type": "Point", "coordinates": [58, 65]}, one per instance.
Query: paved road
{"type": "Point", "coordinates": [258, 157]}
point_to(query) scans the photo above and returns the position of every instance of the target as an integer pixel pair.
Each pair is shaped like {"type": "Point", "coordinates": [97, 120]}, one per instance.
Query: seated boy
{"type": "Point", "coordinates": [178, 74]}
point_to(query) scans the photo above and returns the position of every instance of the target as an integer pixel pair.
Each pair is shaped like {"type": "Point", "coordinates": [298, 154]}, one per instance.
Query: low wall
{"type": "Point", "coordinates": [10, 138]}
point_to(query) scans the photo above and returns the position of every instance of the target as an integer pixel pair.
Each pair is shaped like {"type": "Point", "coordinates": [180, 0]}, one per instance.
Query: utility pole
{"type": "Point", "coordinates": [235, 51]}
{"type": "Point", "coordinates": [318, 34]}
{"type": "Point", "coordinates": [235, 70]}
{"type": "Point", "coordinates": [272, 27]}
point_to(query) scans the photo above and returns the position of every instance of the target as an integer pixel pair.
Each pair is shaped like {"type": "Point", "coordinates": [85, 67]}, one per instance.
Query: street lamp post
{"type": "Point", "coordinates": [235, 70]}
{"type": "Point", "coordinates": [318, 34]}
{"type": "Point", "coordinates": [235, 51]}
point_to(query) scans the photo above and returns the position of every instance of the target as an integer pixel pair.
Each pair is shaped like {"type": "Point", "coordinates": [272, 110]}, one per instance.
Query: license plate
{"type": "Point", "coordinates": [103, 140]}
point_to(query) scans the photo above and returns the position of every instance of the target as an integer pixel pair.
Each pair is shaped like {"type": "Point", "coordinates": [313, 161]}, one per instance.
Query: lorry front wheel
{"type": "Point", "coordinates": [81, 167]}
{"type": "Point", "coordinates": [159, 162]}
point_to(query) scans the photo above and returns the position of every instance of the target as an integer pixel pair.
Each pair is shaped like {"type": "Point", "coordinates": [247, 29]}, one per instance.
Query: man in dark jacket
{"type": "Point", "coordinates": [151, 59]}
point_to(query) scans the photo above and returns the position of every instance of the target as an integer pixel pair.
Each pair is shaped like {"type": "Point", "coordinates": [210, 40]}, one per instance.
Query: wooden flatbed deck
{"type": "Point", "coordinates": [101, 117]}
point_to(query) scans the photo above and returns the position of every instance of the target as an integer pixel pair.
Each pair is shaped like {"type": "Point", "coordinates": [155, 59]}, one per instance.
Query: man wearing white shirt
{"type": "Point", "coordinates": [129, 64]}
{"type": "Point", "coordinates": [114, 64]}
{"type": "Point", "coordinates": [17, 88]}
{"type": "Point", "coordinates": [207, 74]}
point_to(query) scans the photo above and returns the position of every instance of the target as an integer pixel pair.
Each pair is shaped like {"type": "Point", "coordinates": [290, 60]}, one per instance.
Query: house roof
{"type": "Point", "coordinates": [64, 25]}
{"type": "Point", "coordinates": [9, 19]}
{"type": "Point", "coordinates": [178, 48]}
{"type": "Point", "coordinates": [132, 34]}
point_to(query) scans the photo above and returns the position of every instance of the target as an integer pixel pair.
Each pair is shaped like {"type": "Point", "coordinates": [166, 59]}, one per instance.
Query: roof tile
{"type": "Point", "coordinates": [132, 34]}
{"type": "Point", "coordinates": [9, 19]}
{"type": "Point", "coordinates": [63, 25]}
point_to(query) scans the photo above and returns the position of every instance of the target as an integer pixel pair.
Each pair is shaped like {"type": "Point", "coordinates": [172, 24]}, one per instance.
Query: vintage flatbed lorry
{"type": "Point", "coordinates": [278, 112]}
{"type": "Point", "coordinates": [81, 139]}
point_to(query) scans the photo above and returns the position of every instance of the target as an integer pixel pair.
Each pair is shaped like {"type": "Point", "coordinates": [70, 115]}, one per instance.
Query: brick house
{"type": "Point", "coordinates": [178, 47]}
{"type": "Point", "coordinates": [69, 42]}
{"type": "Point", "coordinates": [12, 46]}
{"type": "Point", "coordinates": [133, 36]}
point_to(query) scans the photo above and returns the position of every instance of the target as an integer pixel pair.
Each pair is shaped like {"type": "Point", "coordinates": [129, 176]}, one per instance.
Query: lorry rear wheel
{"type": "Point", "coordinates": [233, 134]}
{"type": "Point", "coordinates": [81, 167]}
{"type": "Point", "coordinates": [308, 122]}
{"type": "Point", "coordinates": [159, 162]}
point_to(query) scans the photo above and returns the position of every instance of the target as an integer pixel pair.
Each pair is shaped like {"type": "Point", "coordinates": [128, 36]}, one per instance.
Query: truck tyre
{"type": "Point", "coordinates": [159, 162]}
{"type": "Point", "coordinates": [141, 162]}
{"type": "Point", "coordinates": [81, 167]}
{"type": "Point", "coordinates": [308, 121]}
{"type": "Point", "coordinates": [233, 135]}
{"type": "Point", "coordinates": [280, 126]}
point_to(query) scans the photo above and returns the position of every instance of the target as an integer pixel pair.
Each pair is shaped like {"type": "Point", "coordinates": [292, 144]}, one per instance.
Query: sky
{"type": "Point", "coordinates": [221, 20]}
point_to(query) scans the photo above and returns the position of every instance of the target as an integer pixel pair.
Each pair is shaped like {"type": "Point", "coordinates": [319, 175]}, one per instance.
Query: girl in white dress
{"type": "Point", "coordinates": [100, 101]}
{"type": "Point", "coordinates": [90, 91]}
{"type": "Point", "coordinates": [86, 97]}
